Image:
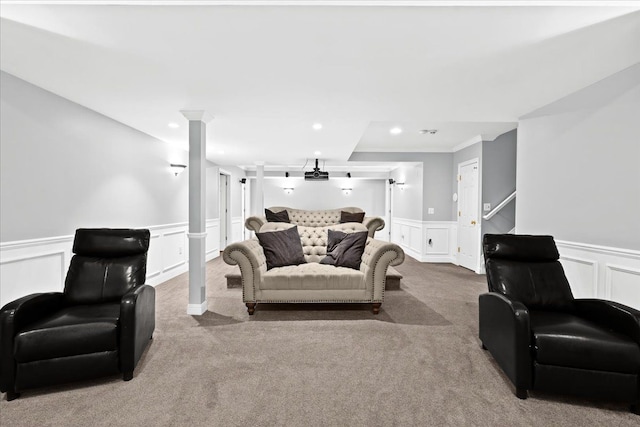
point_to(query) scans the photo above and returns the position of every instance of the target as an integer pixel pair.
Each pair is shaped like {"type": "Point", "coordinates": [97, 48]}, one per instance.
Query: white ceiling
{"type": "Point", "coordinates": [267, 73]}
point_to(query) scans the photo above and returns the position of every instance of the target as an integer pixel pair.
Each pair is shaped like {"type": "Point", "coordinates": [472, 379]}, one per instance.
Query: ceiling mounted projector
{"type": "Point", "coordinates": [316, 174]}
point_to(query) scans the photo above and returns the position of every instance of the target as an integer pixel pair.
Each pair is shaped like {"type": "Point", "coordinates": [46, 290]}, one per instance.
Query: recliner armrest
{"type": "Point", "coordinates": [13, 317]}
{"type": "Point", "coordinates": [615, 316]}
{"type": "Point", "coordinates": [137, 323]}
{"type": "Point", "coordinates": [506, 332]}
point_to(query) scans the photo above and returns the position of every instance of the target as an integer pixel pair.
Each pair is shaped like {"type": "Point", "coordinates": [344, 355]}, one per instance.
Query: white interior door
{"type": "Point", "coordinates": [468, 224]}
{"type": "Point", "coordinates": [224, 211]}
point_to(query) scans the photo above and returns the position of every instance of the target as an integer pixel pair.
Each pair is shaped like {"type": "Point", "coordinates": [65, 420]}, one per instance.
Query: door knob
{"type": "Point", "coordinates": [473, 223]}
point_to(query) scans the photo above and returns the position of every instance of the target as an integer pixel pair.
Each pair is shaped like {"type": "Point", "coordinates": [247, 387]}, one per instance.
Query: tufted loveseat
{"type": "Point", "coordinates": [319, 218]}
{"type": "Point", "coordinates": [312, 281]}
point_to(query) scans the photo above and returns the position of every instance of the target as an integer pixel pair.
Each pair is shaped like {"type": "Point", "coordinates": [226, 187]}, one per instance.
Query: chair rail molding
{"type": "Point", "coordinates": [40, 265]}
{"type": "Point", "coordinates": [602, 272]}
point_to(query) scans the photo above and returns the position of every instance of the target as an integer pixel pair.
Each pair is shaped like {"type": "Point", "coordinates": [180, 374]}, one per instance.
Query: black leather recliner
{"type": "Point", "coordinates": [544, 339]}
{"type": "Point", "coordinates": [100, 325]}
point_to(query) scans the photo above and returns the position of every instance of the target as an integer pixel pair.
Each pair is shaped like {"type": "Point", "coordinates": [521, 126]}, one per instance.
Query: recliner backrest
{"type": "Point", "coordinates": [526, 268]}
{"type": "Point", "coordinates": [107, 263]}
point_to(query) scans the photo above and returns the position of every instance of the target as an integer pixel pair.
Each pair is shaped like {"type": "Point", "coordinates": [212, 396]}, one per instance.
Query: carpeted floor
{"type": "Point", "coordinates": [418, 363]}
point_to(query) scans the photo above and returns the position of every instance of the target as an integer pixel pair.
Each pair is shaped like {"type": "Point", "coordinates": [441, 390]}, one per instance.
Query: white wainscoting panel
{"type": "Point", "coordinates": [40, 265]}
{"type": "Point", "coordinates": [413, 236]}
{"type": "Point", "coordinates": [407, 234]}
{"type": "Point", "coordinates": [602, 272]}
{"type": "Point", "coordinates": [154, 256]}
{"type": "Point", "coordinates": [441, 235]}
{"type": "Point", "coordinates": [174, 244]}
{"type": "Point", "coordinates": [584, 275]}
{"type": "Point", "coordinates": [623, 284]}
{"type": "Point", "coordinates": [237, 228]}
{"type": "Point", "coordinates": [31, 266]}
{"type": "Point", "coordinates": [212, 242]}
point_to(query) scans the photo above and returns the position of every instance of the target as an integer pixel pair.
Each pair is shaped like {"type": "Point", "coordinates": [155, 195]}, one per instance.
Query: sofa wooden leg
{"type": "Point", "coordinates": [482, 346]}
{"type": "Point", "coordinates": [127, 376]}
{"type": "Point", "coordinates": [521, 393]}
{"type": "Point", "coordinates": [376, 307]}
{"type": "Point", "coordinates": [12, 395]}
{"type": "Point", "coordinates": [251, 307]}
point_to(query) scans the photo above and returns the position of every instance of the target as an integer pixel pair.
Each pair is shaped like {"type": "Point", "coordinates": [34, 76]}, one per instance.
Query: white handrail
{"type": "Point", "coordinates": [498, 208]}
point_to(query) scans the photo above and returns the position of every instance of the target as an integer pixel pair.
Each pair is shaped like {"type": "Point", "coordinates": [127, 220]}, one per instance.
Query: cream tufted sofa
{"type": "Point", "coordinates": [313, 282]}
{"type": "Point", "coordinates": [308, 218]}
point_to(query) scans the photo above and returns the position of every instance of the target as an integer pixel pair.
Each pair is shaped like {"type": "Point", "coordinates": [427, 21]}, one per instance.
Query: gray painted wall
{"type": "Point", "coordinates": [499, 181]}
{"type": "Point", "coordinates": [578, 173]}
{"type": "Point", "coordinates": [436, 170]}
{"type": "Point", "coordinates": [63, 166]}
{"type": "Point", "coordinates": [367, 194]}
{"type": "Point", "coordinates": [407, 203]}
{"type": "Point", "coordinates": [437, 175]}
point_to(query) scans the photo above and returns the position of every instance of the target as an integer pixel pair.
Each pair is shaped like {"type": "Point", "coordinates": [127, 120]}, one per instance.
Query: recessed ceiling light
{"type": "Point", "coordinates": [317, 153]}
{"type": "Point", "coordinates": [395, 131]}
{"type": "Point", "coordinates": [429, 131]}
{"type": "Point", "coordinates": [174, 125]}
{"type": "Point", "coordinates": [317, 126]}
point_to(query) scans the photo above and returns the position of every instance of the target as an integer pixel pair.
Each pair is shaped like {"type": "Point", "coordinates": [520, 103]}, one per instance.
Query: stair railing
{"type": "Point", "coordinates": [501, 205]}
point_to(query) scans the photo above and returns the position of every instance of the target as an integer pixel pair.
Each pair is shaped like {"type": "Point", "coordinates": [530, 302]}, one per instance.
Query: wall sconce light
{"type": "Point", "coordinates": [177, 169]}
{"type": "Point", "coordinates": [348, 174]}
{"type": "Point", "coordinates": [286, 174]}
{"type": "Point", "coordinates": [392, 181]}
{"type": "Point", "coordinates": [400, 185]}
{"type": "Point", "coordinates": [346, 191]}
{"type": "Point", "coordinates": [243, 180]}
{"type": "Point", "coordinates": [288, 190]}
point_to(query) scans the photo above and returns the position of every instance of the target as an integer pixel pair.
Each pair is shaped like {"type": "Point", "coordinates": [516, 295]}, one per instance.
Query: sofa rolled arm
{"type": "Point", "coordinates": [249, 256]}
{"type": "Point", "coordinates": [254, 223]}
{"type": "Point", "coordinates": [376, 259]}
{"type": "Point", "coordinates": [137, 323]}
{"type": "Point", "coordinates": [13, 317]}
{"type": "Point", "coordinates": [506, 332]}
{"type": "Point", "coordinates": [618, 317]}
{"type": "Point", "coordinates": [373, 224]}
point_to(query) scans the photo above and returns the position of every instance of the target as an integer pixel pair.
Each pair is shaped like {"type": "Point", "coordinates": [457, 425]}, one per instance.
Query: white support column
{"type": "Point", "coordinates": [197, 210]}
{"type": "Point", "coordinates": [259, 189]}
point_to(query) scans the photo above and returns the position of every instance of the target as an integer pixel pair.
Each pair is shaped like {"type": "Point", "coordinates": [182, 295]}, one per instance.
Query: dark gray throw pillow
{"type": "Point", "coordinates": [282, 216]}
{"type": "Point", "coordinates": [282, 247]}
{"type": "Point", "coordinates": [351, 217]}
{"type": "Point", "coordinates": [345, 249]}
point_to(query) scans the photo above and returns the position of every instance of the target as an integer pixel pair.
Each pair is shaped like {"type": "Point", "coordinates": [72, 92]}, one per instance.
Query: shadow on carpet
{"type": "Point", "coordinates": [398, 307]}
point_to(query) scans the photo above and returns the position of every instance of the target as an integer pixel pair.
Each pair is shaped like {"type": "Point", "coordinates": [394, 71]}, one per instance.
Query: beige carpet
{"type": "Point", "coordinates": [418, 363]}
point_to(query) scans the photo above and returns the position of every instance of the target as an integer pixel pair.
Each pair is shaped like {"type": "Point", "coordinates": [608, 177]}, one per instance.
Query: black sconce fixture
{"type": "Point", "coordinates": [286, 174]}
{"type": "Point", "coordinates": [348, 174]}
{"type": "Point", "coordinates": [243, 180]}
{"type": "Point", "coordinates": [392, 181]}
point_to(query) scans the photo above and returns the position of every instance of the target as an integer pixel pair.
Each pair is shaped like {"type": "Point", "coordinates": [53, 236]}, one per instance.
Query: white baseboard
{"type": "Point", "coordinates": [602, 272]}
{"type": "Point", "coordinates": [40, 265]}
{"type": "Point", "coordinates": [197, 309]}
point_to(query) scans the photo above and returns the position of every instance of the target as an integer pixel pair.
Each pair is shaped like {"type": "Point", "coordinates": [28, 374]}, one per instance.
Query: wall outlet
{"type": "Point", "coordinates": [487, 207]}
{"type": "Point", "coordinates": [431, 211]}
